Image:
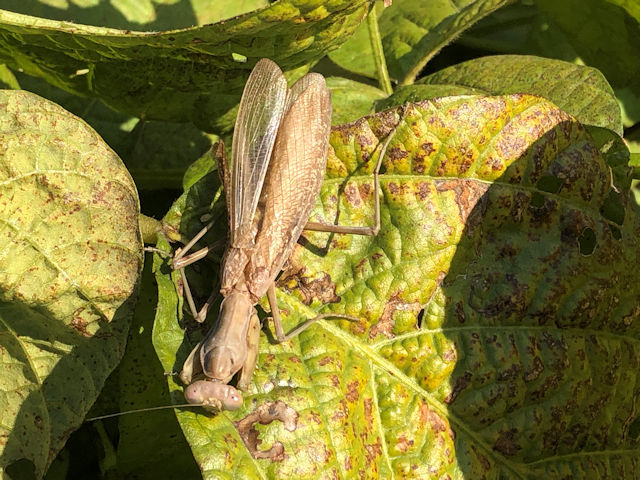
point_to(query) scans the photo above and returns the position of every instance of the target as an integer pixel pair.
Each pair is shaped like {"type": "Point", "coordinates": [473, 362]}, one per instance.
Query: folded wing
{"type": "Point", "coordinates": [260, 113]}
{"type": "Point", "coordinates": [293, 179]}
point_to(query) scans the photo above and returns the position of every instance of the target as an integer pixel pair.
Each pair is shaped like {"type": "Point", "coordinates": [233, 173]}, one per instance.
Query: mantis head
{"type": "Point", "coordinates": [213, 395]}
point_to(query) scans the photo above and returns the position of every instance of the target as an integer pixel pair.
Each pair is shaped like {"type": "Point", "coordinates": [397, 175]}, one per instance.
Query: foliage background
{"type": "Point", "coordinates": [164, 86]}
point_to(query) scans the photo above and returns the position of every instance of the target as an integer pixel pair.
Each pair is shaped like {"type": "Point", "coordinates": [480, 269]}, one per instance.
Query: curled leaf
{"type": "Point", "coordinates": [194, 73]}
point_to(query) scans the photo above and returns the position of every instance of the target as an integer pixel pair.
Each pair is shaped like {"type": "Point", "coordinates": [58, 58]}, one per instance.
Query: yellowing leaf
{"type": "Point", "coordinates": [69, 268]}
{"type": "Point", "coordinates": [498, 332]}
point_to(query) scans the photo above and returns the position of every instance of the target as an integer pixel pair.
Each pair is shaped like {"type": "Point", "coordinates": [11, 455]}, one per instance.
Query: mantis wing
{"type": "Point", "coordinates": [259, 115]}
{"type": "Point", "coordinates": [293, 180]}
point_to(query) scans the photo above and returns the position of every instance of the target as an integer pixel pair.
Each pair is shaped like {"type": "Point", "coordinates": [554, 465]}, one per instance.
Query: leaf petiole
{"type": "Point", "coordinates": [378, 52]}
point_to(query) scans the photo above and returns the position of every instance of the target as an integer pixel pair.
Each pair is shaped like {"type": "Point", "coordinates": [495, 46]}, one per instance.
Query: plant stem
{"type": "Point", "coordinates": [109, 461]}
{"type": "Point", "coordinates": [634, 163]}
{"type": "Point", "coordinates": [378, 52]}
{"type": "Point", "coordinates": [149, 228]}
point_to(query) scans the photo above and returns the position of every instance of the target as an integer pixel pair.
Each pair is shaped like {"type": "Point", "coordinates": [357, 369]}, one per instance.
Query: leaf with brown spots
{"type": "Point", "coordinates": [489, 344]}
{"type": "Point", "coordinates": [72, 255]}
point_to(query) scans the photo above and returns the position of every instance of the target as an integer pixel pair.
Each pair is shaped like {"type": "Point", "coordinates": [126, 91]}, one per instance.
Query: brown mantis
{"type": "Point", "coordinates": [279, 155]}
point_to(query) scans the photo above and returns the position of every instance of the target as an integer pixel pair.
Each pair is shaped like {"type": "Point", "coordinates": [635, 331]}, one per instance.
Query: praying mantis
{"type": "Point", "coordinates": [279, 155]}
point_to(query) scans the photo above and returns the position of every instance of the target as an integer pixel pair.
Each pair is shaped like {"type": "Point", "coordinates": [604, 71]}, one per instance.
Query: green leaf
{"type": "Point", "coordinates": [498, 321]}
{"type": "Point", "coordinates": [588, 23]}
{"type": "Point", "coordinates": [8, 79]}
{"type": "Point", "coordinates": [152, 15]}
{"type": "Point", "coordinates": [606, 35]}
{"type": "Point", "coordinates": [160, 152]}
{"type": "Point", "coordinates": [525, 29]}
{"type": "Point", "coordinates": [417, 92]}
{"type": "Point", "coordinates": [177, 75]}
{"type": "Point", "coordinates": [68, 275]}
{"type": "Point", "coordinates": [581, 91]}
{"type": "Point", "coordinates": [356, 55]}
{"type": "Point", "coordinates": [519, 28]}
{"type": "Point", "coordinates": [633, 140]}
{"type": "Point", "coordinates": [412, 32]}
{"type": "Point", "coordinates": [351, 100]}
{"type": "Point", "coordinates": [156, 153]}
{"type": "Point", "coordinates": [629, 99]}
{"type": "Point", "coordinates": [114, 128]}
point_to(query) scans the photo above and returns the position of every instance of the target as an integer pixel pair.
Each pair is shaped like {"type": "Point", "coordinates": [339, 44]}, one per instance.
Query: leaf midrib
{"type": "Point", "coordinates": [370, 352]}
{"type": "Point", "coordinates": [479, 328]}
{"type": "Point", "coordinates": [412, 385]}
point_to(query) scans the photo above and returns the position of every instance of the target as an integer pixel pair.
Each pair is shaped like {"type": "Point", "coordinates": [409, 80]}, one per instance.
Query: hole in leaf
{"type": "Point", "coordinates": [549, 184]}
{"type": "Point", "coordinates": [634, 428]}
{"type": "Point", "coordinates": [383, 168]}
{"type": "Point", "coordinates": [537, 200]}
{"type": "Point", "coordinates": [420, 318]}
{"type": "Point", "coordinates": [615, 232]}
{"type": "Point", "coordinates": [22, 469]}
{"type": "Point", "coordinates": [238, 57]}
{"type": "Point", "coordinates": [587, 241]}
{"type": "Point", "coordinates": [613, 208]}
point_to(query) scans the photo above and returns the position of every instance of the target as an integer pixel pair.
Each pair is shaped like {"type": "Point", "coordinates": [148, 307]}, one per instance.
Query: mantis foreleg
{"type": "Point", "coordinates": [253, 341]}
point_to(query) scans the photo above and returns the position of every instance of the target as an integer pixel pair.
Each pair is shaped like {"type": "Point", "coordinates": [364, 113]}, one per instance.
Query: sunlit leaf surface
{"type": "Point", "coordinates": [497, 334]}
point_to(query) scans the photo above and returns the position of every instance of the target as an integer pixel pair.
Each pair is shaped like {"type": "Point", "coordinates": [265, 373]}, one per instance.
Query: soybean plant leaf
{"type": "Point", "coordinates": [194, 73]}
{"type": "Point", "coordinates": [351, 100]}
{"type": "Point", "coordinates": [498, 326]}
{"type": "Point", "coordinates": [160, 152]}
{"type": "Point", "coordinates": [633, 140]}
{"type": "Point", "coordinates": [581, 91]}
{"type": "Point", "coordinates": [153, 15]}
{"type": "Point", "coordinates": [519, 28]}
{"type": "Point", "coordinates": [356, 55]}
{"type": "Point", "coordinates": [155, 153]}
{"type": "Point", "coordinates": [413, 31]}
{"type": "Point", "coordinates": [605, 33]}
{"type": "Point", "coordinates": [113, 127]}
{"type": "Point", "coordinates": [417, 92]}
{"type": "Point", "coordinates": [8, 79]}
{"type": "Point", "coordinates": [69, 268]}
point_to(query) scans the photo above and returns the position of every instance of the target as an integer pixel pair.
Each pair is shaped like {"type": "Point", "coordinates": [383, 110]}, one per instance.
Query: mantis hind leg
{"type": "Point", "coordinates": [181, 259]}
{"type": "Point", "coordinates": [277, 320]}
{"type": "Point", "coordinates": [198, 315]}
{"type": "Point", "coordinates": [375, 228]}
{"type": "Point", "coordinates": [323, 227]}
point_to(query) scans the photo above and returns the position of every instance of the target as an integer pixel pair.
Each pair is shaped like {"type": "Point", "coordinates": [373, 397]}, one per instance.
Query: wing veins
{"type": "Point", "coordinates": [259, 116]}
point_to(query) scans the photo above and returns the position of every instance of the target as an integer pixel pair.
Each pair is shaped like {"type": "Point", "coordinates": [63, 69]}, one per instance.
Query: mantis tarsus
{"type": "Point", "coordinates": [279, 155]}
